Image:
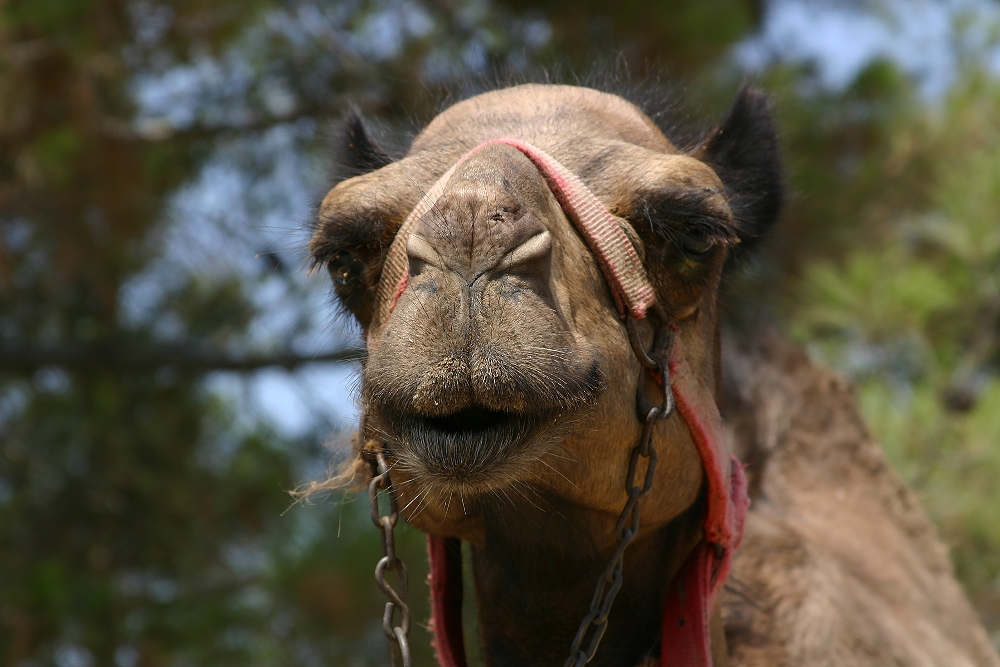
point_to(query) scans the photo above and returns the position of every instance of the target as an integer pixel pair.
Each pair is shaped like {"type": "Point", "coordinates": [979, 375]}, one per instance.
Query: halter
{"type": "Point", "coordinates": [695, 589]}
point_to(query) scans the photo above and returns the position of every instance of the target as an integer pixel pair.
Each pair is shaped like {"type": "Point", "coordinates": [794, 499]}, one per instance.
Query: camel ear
{"type": "Point", "coordinates": [358, 152]}
{"type": "Point", "coordinates": [743, 151]}
{"type": "Point", "coordinates": [355, 225]}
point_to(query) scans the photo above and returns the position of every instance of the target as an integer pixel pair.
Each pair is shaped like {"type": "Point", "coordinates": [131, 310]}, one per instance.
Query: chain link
{"type": "Point", "coordinates": [390, 562]}
{"type": "Point", "coordinates": [595, 623]}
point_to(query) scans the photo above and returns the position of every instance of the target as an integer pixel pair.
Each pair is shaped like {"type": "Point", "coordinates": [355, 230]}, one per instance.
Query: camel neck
{"type": "Point", "coordinates": [535, 577]}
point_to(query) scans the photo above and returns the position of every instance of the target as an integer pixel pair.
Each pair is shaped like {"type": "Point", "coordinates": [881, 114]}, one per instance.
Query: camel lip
{"type": "Point", "coordinates": [469, 421]}
{"type": "Point", "coordinates": [473, 426]}
{"type": "Point", "coordinates": [467, 448]}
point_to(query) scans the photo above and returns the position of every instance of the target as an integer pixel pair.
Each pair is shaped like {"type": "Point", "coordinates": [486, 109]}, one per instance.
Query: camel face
{"type": "Point", "coordinates": [483, 362]}
{"type": "Point", "coordinates": [504, 363]}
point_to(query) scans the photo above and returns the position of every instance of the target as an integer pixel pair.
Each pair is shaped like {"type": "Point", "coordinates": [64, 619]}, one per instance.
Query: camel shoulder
{"type": "Point", "coordinates": [839, 564]}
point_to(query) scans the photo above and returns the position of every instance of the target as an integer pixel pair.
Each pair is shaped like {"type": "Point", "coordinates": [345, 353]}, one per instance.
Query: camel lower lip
{"type": "Point", "coordinates": [466, 447]}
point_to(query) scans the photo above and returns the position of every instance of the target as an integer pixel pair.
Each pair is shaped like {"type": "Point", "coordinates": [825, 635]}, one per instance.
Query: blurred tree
{"type": "Point", "coordinates": [155, 161]}
{"type": "Point", "coordinates": [913, 314]}
{"type": "Point", "coordinates": [140, 517]}
{"type": "Point", "coordinates": [685, 36]}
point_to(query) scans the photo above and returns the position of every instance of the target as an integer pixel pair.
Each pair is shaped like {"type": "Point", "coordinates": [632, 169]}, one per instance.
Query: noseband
{"type": "Point", "coordinates": [695, 589]}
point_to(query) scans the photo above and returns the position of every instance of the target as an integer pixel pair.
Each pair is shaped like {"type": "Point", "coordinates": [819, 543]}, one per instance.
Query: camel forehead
{"type": "Point", "coordinates": [594, 134]}
{"type": "Point", "coordinates": [544, 114]}
{"type": "Point", "coordinates": [498, 173]}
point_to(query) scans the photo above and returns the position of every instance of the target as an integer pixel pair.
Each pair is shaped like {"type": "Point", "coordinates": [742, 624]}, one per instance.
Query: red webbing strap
{"type": "Point", "coordinates": [685, 633]}
{"type": "Point", "coordinates": [686, 629]}
{"type": "Point", "coordinates": [445, 581]}
{"type": "Point", "coordinates": [696, 405]}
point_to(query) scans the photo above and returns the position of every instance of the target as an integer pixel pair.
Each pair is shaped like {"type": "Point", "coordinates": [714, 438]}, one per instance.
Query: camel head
{"type": "Point", "coordinates": [500, 387]}
{"type": "Point", "coordinates": [504, 367]}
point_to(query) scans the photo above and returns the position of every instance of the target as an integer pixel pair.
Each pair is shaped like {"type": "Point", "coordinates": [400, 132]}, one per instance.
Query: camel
{"type": "Point", "coordinates": [537, 281]}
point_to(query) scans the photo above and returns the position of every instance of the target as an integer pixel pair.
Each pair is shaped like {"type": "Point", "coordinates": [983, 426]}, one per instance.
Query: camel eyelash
{"type": "Point", "coordinates": [684, 219]}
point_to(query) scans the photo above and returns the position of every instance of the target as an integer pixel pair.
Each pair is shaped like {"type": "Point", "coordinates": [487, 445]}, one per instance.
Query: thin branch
{"type": "Point", "coordinates": [159, 130]}
{"type": "Point", "coordinates": [145, 358]}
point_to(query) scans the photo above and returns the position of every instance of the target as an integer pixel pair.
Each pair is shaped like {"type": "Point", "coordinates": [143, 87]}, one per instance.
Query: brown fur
{"type": "Point", "coordinates": [839, 565]}
{"type": "Point", "coordinates": [502, 387]}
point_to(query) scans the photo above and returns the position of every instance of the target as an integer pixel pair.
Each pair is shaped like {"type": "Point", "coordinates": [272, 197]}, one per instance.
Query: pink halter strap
{"type": "Point", "coordinates": [692, 595]}
{"type": "Point", "coordinates": [600, 229]}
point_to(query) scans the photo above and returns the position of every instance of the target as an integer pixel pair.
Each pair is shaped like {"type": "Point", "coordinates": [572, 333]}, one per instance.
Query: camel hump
{"type": "Point", "coordinates": [839, 564]}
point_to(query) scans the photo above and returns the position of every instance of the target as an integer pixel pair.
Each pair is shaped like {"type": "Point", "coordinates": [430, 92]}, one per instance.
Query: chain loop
{"type": "Point", "coordinates": [654, 363]}
{"type": "Point", "coordinates": [396, 634]}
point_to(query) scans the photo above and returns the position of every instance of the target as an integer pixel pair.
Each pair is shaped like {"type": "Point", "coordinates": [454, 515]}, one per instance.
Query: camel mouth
{"type": "Point", "coordinates": [471, 449]}
{"type": "Point", "coordinates": [485, 435]}
{"type": "Point", "coordinates": [470, 421]}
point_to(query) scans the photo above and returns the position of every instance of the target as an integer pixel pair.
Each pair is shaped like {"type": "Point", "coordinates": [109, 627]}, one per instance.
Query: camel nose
{"type": "Point", "coordinates": [473, 294]}
{"type": "Point", "coordinates": [535, 250]}
{"type": "Point", "coordinates": [476, 227]}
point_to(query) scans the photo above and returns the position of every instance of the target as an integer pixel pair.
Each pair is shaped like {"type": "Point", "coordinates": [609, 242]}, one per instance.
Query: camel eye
{"type": "Point", "coordinates": [344, 277]}
{"type": "Point", "coordinates": [695, 246]}
{"type": "Point", "coordinates": [345, 271]}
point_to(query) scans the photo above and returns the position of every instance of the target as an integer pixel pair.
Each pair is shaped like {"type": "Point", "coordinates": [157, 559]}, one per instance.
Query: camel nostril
{"type": "Point", "coordinates": [471, 420]}
{"type": "Point", "coordinates": [536, 248]}
{"type": "Point", "coordinates": [420, 251]}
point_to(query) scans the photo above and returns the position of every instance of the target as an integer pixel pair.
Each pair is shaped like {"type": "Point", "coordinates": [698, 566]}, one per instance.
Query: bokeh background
{"type": "Point", "coordinates": [169, 370]}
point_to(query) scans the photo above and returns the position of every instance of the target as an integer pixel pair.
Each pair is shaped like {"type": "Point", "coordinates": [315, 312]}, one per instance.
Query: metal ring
{"type": "Point", "coordinates": [637, 348]}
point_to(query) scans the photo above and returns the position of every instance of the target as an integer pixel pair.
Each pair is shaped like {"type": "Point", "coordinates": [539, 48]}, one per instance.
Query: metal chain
{"type": "Point", "coordinates": [595, 623]}
{"type": "Point", "coordinates": [396, 634]}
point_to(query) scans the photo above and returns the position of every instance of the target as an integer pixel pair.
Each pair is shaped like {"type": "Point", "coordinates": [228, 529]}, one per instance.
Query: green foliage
{"type": "Point", "coordinates": [887, 292]}
{"type": "Point", "coordinates": [144, 519]}
{"type": "Point", "coordinates": [913, 314]}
